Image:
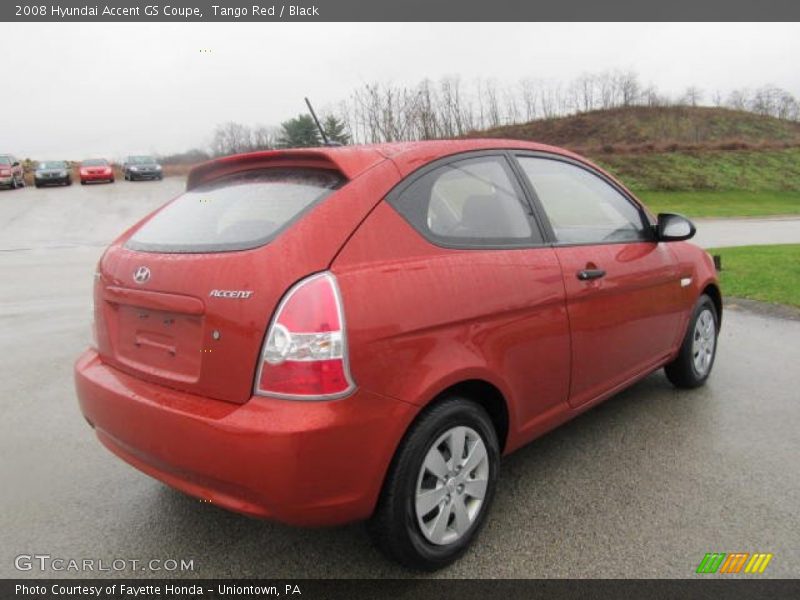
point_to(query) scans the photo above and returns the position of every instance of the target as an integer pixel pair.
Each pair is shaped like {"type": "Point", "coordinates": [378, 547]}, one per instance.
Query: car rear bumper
{"type": "Point", "coordinates": [7, 180]}
{"type": "Point", "coordinates": [304, 463]}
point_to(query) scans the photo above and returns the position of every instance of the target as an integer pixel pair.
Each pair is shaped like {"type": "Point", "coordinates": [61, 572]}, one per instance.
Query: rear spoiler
{"type": "Point", "coordinates": [348, 161]}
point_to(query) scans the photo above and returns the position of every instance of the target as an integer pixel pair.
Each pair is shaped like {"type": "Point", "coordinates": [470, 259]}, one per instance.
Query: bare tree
{"type": "Point", "coordinates": [693, 96]}
{"type": "Point", "coordinates": [528, 95]}
{"type": "Point", "coordinates": [231, 138]}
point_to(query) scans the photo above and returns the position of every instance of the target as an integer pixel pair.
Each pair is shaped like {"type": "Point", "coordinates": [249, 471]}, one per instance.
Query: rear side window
{"type": "Point", "coordinates": [242, 211]}
{"type": "Point", "coordinates": [467, 203]}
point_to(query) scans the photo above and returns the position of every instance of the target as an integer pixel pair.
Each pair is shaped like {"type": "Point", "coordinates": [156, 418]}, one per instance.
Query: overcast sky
{"type": "Point", "coordinates": [108, 89]}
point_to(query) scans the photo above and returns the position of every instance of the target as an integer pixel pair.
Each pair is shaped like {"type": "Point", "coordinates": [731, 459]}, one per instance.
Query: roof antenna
{"type": "Point", "coordinates": [321, 130]}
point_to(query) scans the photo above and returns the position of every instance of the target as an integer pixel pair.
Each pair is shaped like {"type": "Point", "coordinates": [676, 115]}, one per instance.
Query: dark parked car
{"type": "Point", "coordinates": [324, 335]}
{"type": "Point", "coordinates": [11, 174]}
{"type": "Point", "coordinates": [141, 167]}
{"type": "Point", "coordinates": [52, 172]}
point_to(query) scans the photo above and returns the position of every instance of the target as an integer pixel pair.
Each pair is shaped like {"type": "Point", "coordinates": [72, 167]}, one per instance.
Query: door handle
{"type": "Point", "coordinates": [587, 274]}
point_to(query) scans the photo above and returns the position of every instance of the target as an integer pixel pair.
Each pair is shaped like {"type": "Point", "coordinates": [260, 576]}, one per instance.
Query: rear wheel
{"type": "Point", "coordinates": [694, 362]}
{"type": "Point", "coordinates": [440, 486]}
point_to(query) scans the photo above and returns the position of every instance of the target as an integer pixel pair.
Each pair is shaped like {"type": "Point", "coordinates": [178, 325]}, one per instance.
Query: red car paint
{"type": "Point", "coordinates": [172, 385]}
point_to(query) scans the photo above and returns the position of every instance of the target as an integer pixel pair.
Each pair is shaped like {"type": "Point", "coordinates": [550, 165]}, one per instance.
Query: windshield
{"type": "Point", "coordinates": [141, 160]}
{"type": "Point", "coordinates": [242, 211]}
{"type": "Point", "coordinates": [5, 160]}
{"type": "Point", "coordinates": [95, 162]}
{"type": "Point", "coordinates": [52, 164]}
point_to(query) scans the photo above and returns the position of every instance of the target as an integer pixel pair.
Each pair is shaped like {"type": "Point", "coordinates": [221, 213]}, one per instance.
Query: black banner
{"type": "Point", "coordinates": [400, 10]}
{"type": "Point", "coordinates": [416, 589]}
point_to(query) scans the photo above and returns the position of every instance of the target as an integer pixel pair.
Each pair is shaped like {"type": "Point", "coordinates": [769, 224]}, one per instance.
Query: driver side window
{"type": "Point", "coordinates": [581, 207]}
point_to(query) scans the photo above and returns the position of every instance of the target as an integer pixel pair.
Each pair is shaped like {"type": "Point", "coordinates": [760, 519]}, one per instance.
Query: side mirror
{"type": "Point", "coordinates": [674, 228]}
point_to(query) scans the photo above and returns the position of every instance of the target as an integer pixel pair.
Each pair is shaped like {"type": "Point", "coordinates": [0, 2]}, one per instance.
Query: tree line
{"type": "Point", "coordinates": [449, 107]}
{"type": "Point", "coordinates": [378, 112]}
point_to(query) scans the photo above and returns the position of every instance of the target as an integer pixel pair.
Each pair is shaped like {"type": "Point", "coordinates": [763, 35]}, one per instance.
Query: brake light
{"type": "Point", "coordinates": [305, 352]}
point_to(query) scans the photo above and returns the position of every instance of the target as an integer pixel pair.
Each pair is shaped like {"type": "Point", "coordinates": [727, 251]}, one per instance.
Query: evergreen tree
{"type": "Point", "coordinates": [300, 132]}
{"type": "Point", "coordinates": [335, 130]}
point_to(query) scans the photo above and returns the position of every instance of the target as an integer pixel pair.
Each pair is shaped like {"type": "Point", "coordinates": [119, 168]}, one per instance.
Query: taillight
{"type": "Point", "coordinates": [305, 352]}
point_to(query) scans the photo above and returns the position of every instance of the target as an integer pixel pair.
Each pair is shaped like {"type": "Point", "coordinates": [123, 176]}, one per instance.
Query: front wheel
{"type": "Point", "coordinates": [694, 362]}
{"type": "Point", "coordinates": [440, 486]}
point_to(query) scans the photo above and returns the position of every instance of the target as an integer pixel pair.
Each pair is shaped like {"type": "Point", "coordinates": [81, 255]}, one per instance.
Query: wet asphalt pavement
{"type": "Point", "coordinates": [641, 486]}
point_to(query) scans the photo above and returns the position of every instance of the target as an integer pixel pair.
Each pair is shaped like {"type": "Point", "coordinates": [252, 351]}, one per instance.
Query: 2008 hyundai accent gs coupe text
{"type": "Point", "coordinates": [327, 335]}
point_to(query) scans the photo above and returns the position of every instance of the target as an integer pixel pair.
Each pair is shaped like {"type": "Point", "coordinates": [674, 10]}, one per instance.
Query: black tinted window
{"type": "Point", "coordinates": [582, 207]}
{"type": "Point", "coordinates": [475, 201]}
{"type": "Point", "coordinates": [242, 211]}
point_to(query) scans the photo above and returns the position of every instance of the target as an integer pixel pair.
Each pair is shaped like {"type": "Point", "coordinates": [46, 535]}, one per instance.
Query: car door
{"type": "Point", "coordinates": [622, 286]}
{"type": "Point", "coordinates": [461, 284]}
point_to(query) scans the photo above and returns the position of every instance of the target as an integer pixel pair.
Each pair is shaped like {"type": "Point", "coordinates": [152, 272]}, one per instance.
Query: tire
{"type": "Point", "coordinates": [68, 182]}
{"type": "Point", "coordinates": [694, 362]}
{"type": "Point", "coordinates": [83, 182]}
{"type": "Point", "coordinates": [400, 530]}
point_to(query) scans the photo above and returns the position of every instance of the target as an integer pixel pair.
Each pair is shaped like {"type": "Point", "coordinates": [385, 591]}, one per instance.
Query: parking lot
{"type": "Point", "coordinates": [641, 486]}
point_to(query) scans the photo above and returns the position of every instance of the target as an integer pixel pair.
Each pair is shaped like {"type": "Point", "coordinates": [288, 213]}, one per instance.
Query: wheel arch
{"type": "Point", "coordinates": [484, 393]}
{"type": "Point", "coordinates": [712, 291]}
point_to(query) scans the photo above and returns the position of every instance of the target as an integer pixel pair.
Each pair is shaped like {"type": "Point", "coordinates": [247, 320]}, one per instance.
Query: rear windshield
{"type": "Point", "coordinates": [242, 211]}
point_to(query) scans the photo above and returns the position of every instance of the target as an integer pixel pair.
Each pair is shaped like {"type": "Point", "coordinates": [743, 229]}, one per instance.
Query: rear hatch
{"type": "Point", "coordinates": [185, 297]}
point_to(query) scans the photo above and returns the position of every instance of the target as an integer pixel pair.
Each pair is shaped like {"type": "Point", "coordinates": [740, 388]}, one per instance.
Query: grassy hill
{"type": "Point", "coordinates": [701, 161]}
{"type": "Point", "coordinates": [649, 129]}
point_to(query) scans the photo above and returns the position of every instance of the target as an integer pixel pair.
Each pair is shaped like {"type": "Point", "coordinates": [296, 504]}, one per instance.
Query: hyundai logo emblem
{"type": "Point", "coordinates": [141, 275]}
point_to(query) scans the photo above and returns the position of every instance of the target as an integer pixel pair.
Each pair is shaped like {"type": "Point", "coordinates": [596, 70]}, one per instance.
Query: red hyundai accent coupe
{"type": "Point", "coordinates": [326, 335]}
